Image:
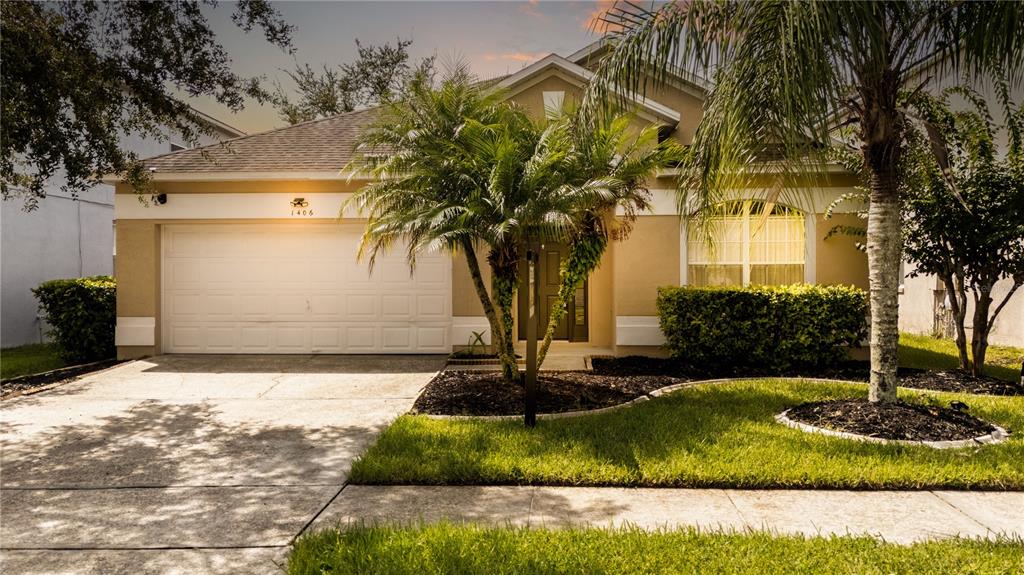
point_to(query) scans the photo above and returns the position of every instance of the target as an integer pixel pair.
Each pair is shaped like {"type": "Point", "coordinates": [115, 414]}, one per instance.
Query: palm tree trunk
{"type": "Point", "coordinates": [497, 332]}
{"type": "Point", "coordinates": [884, 243]}
{"type": "Point", "coordinates": [504, 268]}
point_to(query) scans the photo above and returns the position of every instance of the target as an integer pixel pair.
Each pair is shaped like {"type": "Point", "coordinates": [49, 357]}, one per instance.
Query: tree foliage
{"type": "Point", "coordinates": [456, 167]}
{"type": "Point", "coordinates": [784, 74]}
{"type": "Point", "coordinates": [965, 223]}
{"type": "Point", "coordinates": [379, 74]}
{"type": "Point", "coordinates": [80, 74]}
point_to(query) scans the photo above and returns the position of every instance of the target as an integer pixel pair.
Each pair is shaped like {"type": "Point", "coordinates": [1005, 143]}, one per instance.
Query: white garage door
{"type": "Point", "coordinates": [297, 288]}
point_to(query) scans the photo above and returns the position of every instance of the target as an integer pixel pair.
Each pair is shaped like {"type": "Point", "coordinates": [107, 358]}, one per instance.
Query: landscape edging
{"type": "Point", "coordinates": [998, 436]}
{"type": "Point", "coordinates": [646, 397]}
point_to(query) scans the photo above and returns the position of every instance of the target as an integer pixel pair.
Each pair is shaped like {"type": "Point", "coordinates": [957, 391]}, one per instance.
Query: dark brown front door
{"type": "Point", "coordinates": [573, 326]}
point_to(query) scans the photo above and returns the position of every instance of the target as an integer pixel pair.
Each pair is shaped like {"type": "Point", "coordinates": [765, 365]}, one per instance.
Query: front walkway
{"type": "Point", "coordinates": [189, 464]}
{"type": "Point", "coordinates": [895, 516]}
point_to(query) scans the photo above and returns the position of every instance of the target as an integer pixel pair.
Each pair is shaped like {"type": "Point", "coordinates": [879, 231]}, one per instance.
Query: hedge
{"type": "Point", "coordinates": [770, 327]}
{"type": "Point", "coordinates": [81, 313]}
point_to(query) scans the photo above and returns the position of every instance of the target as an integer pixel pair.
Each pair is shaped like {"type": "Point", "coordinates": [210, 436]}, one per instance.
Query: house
{"type": "Point", "coordinates": [248, 254]}
{"type": "Point", "coordinates": [65, 237]}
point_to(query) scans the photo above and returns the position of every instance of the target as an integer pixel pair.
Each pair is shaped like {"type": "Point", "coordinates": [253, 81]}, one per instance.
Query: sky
{"type": "Point", "coordinates": [495, 37]}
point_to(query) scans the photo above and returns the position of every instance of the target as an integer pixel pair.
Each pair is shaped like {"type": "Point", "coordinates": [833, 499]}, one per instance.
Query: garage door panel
{"type": "Point", "coordinates": [361, 307]}
{"type": "Point", "coordinates": [432, 339]}
{"type": "Point", "coordinates": [257, 338]}
{"type": "Point", "coordinates": [277, 288]}
{"type": "Point", "coordinates": [432, 307]}
{"type": "Point", "coordinates": [361, 339]}
{"type": "Point", "coordinates": [186, 305]}
{"type": "Point", "coordinates": [185, 338]}
{"type": "Point", "coordinates": [221, 339]}
{"type": "Point", "coordinates": [431, 275]}
{"type": "Point", "coordinates": [325, 307]}
{"type": "Point", "coordinates": [220, 307]}
{"type": "Point", "coordinates": [256, 306]}
{"type": "Point", "coordinates": [326, 339]}
{"type": "Point", "coordinates": [397, 339]}
{"type": "Point", "coordinates": [291, 339]}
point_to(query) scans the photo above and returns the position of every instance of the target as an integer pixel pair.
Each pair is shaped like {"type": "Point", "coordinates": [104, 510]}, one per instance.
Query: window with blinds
{"type": "Point", "coordinates": [751, 242]}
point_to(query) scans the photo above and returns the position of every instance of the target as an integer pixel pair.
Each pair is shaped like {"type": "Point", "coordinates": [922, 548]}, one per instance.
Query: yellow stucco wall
{"type": "Point", "coordinates": [531, 97]}
{"type": "Point", "coordinates": [647, 260]}
{"type": "Point", "coordinates": [838, 260]}
{"type": "Point", "coordinates": [137, 269]}
{"type": "Point", "coordinates": [465, 301]}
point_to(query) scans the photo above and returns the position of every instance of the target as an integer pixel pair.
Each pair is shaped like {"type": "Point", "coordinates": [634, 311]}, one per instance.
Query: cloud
{"type": "Point", "coordinates": [516, 56]}
{"type": "Point", "coordinates": [532, 9]}
{"type": "Point", "coordinates": [593, 19]}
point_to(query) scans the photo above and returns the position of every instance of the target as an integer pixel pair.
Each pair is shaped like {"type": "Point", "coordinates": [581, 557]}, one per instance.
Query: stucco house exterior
{"type": "Point", "coordinates": [65, 237]}
{"type": "Point", "coordinates": [249, 255]}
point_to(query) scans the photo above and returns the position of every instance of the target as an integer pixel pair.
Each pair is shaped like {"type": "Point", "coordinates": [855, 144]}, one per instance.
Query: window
{"type": "Point", "coordinates": [748, 247]}
{"type": "Point", "coordinates": [553, 102]}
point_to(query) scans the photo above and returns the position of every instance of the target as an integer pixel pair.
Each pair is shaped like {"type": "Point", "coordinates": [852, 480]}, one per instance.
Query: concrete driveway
{"type": "Point", "coordinates": [189, 464]}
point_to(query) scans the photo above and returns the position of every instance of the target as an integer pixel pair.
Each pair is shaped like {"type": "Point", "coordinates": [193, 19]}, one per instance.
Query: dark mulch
{"type": "Point", "coordinates": [959, 381]}
{"type": "Point", "coordinates": [16, 386]}
{"type": "Point", "coordinates": [898, 420]}
{"type": "Point", "coordinates": [486, 393]}
{"type": "Point", "coordinates": [956, 381]}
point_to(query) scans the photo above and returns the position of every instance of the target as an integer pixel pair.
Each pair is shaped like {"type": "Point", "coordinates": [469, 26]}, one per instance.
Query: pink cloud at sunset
{"type": "Point", "coordinates": [525, 57]}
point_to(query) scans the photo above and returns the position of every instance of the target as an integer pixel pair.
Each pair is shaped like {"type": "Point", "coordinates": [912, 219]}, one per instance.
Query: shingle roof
{"type": "Point", "coordinates": [315, 146]}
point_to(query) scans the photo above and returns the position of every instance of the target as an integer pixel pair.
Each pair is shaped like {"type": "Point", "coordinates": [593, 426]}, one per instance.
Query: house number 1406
{"type": "Point", "coordinates": [303, 212]}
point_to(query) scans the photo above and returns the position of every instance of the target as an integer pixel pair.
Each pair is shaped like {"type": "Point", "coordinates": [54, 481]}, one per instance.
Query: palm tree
{"type": "Point", "coordinates": [786, 72]}
{"type": "Point", "coordinates": [423, 175]}
{"type": "Point", "coordinates": [614, 162]}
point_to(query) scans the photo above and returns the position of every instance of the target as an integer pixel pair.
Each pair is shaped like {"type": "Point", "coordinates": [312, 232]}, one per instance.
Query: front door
{"type": "Point", "coordinates": [573, 326]}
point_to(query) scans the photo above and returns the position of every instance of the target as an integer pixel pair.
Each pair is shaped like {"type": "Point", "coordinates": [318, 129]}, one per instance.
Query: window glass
{"type": "Point", "coordinates": [751, 243]}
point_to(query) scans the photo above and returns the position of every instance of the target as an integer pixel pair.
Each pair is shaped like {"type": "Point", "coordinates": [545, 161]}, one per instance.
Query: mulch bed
{"type": "Point", "coordinates": [16, 386]}
{"type": "Point", "coordinates": [900, 420]}
{"type": "Point", "coordinates": [956, 380]}
{"type": "Point", "coordinates": [486, 393]}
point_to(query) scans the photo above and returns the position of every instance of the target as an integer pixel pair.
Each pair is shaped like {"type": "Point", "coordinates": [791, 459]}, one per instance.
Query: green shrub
{"type": "Point", "coordinates": [770, 327]}
{"type": "Point", "coordinates": [81, 313]}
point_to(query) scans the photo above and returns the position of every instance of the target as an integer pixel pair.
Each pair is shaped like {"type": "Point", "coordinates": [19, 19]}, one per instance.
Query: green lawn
{"type": "Point", "coordinates": [447, 548]}
{"type": "Point", "coordinates": [714, 435]}
{"type": "Point", "coordinates": [28, 359]}
{"type": "Point", "coordinates": [927, 352]}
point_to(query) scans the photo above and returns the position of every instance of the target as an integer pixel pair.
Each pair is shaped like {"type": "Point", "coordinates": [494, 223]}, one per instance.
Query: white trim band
{"type": "Point", "coordinates": [638, 330]}
{"type": "Point", "coordinates": [464, 326]}
{"type": "Point", "coordinates": [135, 331]}
{"type": "Point", "coordinates": [244, 206]}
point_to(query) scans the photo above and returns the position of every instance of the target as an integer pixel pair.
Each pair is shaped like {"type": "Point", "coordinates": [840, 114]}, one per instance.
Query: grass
{"type": "Point", "coordinates": [926, 352]}
{"type": "Point", "coordinates": [28, 359]}
{"type": "Point", "coordinates": [467, 549]}
{"type": "Point", "coordinates": [706, 436]}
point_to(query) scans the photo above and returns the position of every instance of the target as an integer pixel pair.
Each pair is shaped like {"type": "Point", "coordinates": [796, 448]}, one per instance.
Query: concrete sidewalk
{"type": "Point", "coordinates": [895, 516]}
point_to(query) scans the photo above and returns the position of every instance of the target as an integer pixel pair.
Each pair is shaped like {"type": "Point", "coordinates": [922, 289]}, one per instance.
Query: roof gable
{"type": "Point", "coordinates": [580, 76]}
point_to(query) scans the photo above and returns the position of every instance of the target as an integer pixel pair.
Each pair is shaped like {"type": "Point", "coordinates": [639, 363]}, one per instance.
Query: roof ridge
{"type": "Point", "coordinates": [224, 143]}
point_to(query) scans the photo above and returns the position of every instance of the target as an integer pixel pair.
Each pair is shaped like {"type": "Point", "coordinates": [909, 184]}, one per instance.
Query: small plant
{"type": "Point", "coordinates": [476, 347]}
{"type": "Point", "coordinates": [477, 339]}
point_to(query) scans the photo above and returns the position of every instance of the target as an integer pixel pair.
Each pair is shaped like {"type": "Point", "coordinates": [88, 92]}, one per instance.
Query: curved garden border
{"type": "Point", "coordinates": [648, 396]}
{"type": "Point", "coordinates": [998, 436]}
